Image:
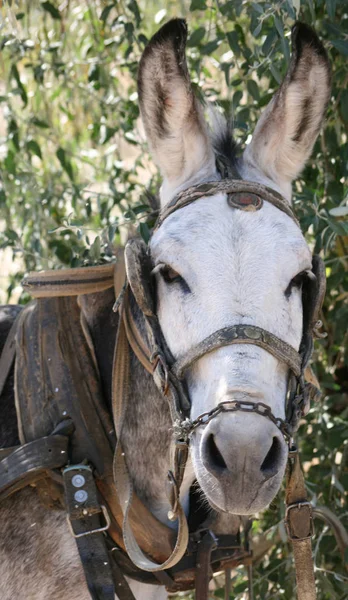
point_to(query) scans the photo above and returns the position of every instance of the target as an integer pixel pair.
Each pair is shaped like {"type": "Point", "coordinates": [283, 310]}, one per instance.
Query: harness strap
{"type": "Point", "coordinates": [85, 280]}
{"type": "Point", "coordinates": [240, 334]}
{"type": "Point", "coordinates": [299, 525]}
{"type": "Point", "coordinates": [203, 568]}
{"type": "Point", "coordinates": [87, 520]}
{"type": "Point", "coordinates": [32, 462]}
{"type": "Point", "coordinates": [122, 480]}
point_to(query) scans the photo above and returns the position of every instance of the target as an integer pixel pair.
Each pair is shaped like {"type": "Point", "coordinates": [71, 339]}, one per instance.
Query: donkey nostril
{"type": "Point", "coordinates": [272, 459]}
{"type": "Point", "coordinates": [214, 453]}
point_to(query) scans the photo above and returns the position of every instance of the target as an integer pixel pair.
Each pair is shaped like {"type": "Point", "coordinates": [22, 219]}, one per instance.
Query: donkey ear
{"type": "Point", "coordinates": [286, 132]}
{"type": "Point", "coordinates": [172, 116]}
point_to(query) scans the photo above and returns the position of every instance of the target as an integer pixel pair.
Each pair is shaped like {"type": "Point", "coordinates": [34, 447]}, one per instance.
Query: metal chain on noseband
{"type": "Point", "coordinates": [183, 429]}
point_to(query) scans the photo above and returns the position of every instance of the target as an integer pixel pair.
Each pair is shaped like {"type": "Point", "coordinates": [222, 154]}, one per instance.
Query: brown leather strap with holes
{"type": "Point", "coordinates": [299, 525]}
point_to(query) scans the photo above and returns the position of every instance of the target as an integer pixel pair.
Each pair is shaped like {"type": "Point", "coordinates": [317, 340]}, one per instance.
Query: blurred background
{"type": "Point", "coordinates": [75, 175]}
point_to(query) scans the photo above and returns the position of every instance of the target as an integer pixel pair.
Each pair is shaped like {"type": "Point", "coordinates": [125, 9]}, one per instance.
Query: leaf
{"type": "Point", "coordinates": [269, 42]}
{"type": "Point", "coordinates": [339, 227]}
{"type": "Point", "coordinates": [196, 37]}
{"type": "Point", "coordinates": [105, 12]}
{"type": "Point", "coordinates": [94, 250]}
{"type": "Point", "coordinates": [51, 9]}
{"type": "Point", "coordinates": [13, 133]}
{"type": "Point", "coordinates": [232, 38]}
{"type": "Point", "coordinates": [253, 89]}
{"type": "Point", "coordinates": [159, 16]}
{"type": "Point", "coordinates": [198, 5]}
{"type": "Point", "coordinates": [22, 90]}
{"type": "Point", "coordinates": [257, 8]}
{"type": "Point", "coordinates": [66, 164]}
{"type": "Point", "coordinates": [237, 96]}
{"type": "Point", "coordinates": [341, 46]}
{"type": "Point", "coordinates": [276, 74]}
{"type": "Point", "coordinates": [144, 232]}
{"type": "Point", "coordinates": [279, 26]}
{"type": "Point", "coordinates": [34, 148]}
{"type": "Point", "coordinates": [40, 123]}
{"type": "Point", "coordinates": [339, 211]}
{"type": "Point", "coordinates": [331, 8]}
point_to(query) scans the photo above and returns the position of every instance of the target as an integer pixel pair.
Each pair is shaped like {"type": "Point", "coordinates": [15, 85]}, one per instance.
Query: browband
{"type": "Point", "coordinates": [228, 186]}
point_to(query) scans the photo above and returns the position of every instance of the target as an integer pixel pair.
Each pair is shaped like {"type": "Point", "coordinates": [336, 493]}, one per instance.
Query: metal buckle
{"type": "Point", "coordinates": [298, 506]}
{"type": "Point", "coordinates": [91, 531]}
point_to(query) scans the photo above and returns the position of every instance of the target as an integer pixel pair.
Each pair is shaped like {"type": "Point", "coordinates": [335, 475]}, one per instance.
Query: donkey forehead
{"type": "Point", "coordinates": [209, 229]}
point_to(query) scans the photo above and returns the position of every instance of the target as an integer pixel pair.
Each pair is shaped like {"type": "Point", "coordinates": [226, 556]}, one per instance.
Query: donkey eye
{"type": "Point", "coordinates": [170, 275]}
{"type": "Point", "coordinates": [296, 282]}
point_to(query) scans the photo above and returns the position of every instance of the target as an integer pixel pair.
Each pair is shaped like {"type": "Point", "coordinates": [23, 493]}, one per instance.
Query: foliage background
{"type": "Point", "coordinates": [75, 173]}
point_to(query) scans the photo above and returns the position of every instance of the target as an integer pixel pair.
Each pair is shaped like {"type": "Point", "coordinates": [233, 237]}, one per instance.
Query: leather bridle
{"type": "Point", "coordinates": [169, 375]}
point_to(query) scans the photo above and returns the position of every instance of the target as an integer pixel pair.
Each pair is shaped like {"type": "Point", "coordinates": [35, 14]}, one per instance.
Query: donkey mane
{"type": "Point", "coordinates": [224, 145]}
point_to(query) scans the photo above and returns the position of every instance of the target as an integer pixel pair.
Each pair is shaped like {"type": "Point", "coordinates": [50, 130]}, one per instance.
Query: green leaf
{"type": "Point", "coordinates": [40, 123]}
{"type": "Point", "coordinates": [253, 89]}
{"type": "Point", "coordinates": [144, 232]}
{"type": "Point", "coordinates": [331, 8]}
{"type": "Point", "coordinates": [210, 47]}
{"type": "Point", "coordinates": [22, 90]}
{"type": "Point", "coordinates": [276, 74]}
{"type": "Point", "coordinates": [237, 96]}
{"type": "Point", "coordinates": [196, 37]}
{"type": "Point", "coordinates": [198, 5]}
{"type": "Point", "coordinates": [269, 42]}
{"type": "Point", "coordinates": [10, 162]}
{"type": "Point", "coordinates": [94, 250]}
{"type": "Point", "coordinates": [232, 38]}
{"type": "Point", "coordinates": [13, 133]}
{"type": "Point", "coordinates": [34, 148]}
{"type": "Point", "coordinates": [257, 8]}
{"type": "Point", "coordinates": [279, 26]}
{"type": "Point", "coordinates": [105, 12]}
{"type": "Point", "coordinates": [66, 164]}
{"type": "Point", "coordinates": [341, 46]}
{"type": "Point", "coordinates": [51, 9]}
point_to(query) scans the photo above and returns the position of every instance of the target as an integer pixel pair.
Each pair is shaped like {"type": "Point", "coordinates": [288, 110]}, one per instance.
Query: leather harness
{"type": "Point", "coordinates": [68, 454]}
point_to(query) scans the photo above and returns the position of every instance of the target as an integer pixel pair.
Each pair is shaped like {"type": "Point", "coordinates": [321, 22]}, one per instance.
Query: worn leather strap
{"type": "Point", "coordinates": [225, 186]}
{"type": "Point", "coordinates": [31, 462]}
{"type": "Point", "coordinates": [86, 520]}
{"type": "Point", "coordinates": [299, 524]}
{"type": "Point", "coordinates": [123, 483]}
{"type": "Point", "coordinates": [240, 334]}
{"type": "Point", "coordinates": [70, 282]}
{"type": "Point", "coordinates": [203, 566]}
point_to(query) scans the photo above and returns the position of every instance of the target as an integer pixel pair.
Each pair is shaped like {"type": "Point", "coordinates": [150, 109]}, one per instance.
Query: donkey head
{"type": "Point", "coordinates": [216, 266]}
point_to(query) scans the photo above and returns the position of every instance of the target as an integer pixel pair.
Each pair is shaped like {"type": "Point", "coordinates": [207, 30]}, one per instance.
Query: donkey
{"type": "Point", "coordinates": [213, 267]}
